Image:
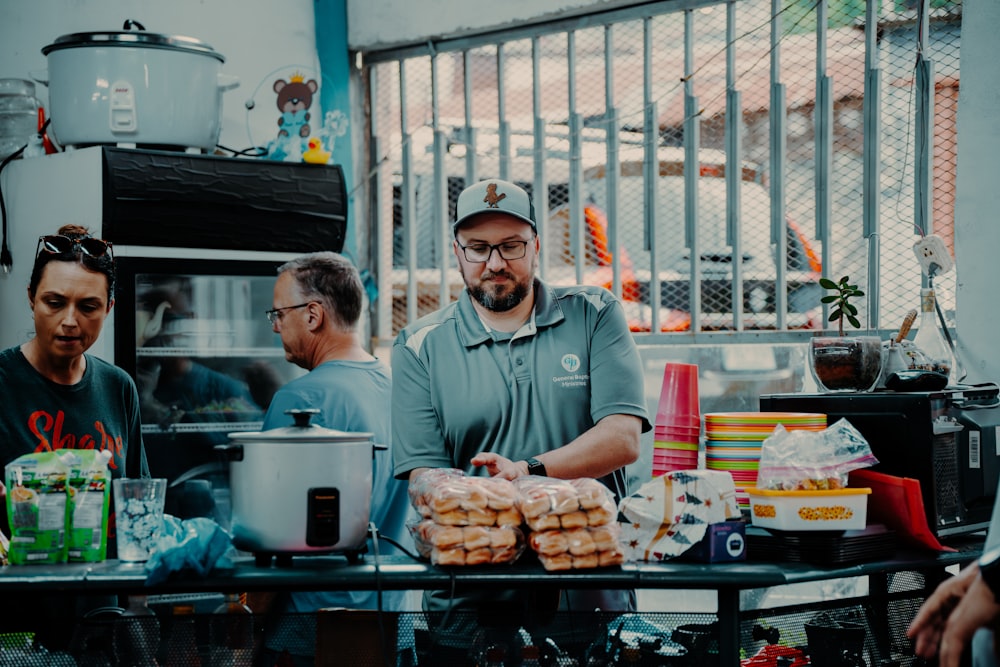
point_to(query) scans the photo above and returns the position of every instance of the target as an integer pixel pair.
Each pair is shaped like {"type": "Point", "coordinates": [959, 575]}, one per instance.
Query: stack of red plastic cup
{"type": "Point", "coordinates": [677, 430]}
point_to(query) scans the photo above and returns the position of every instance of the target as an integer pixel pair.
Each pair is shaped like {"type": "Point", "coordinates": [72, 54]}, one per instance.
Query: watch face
{"type": "Point", "coordinates": [535, 467]}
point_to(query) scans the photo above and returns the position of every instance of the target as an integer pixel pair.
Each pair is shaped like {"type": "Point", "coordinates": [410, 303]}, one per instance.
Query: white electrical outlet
{"type": "Point", "coordinates": [933, 255]}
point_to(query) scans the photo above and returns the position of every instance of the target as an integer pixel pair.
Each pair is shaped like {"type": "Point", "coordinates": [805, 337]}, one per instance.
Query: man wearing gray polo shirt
{"type": "Point", "coordinates": [517, 377]}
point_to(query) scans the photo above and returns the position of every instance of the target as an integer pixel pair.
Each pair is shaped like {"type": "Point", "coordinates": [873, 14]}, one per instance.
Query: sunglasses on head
{"type": "Point", "coordinates": [57, 244]}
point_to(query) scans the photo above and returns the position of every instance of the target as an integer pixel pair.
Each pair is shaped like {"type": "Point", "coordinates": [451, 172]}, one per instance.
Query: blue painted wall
{"type": "Point", "coordinates": [331, 47]}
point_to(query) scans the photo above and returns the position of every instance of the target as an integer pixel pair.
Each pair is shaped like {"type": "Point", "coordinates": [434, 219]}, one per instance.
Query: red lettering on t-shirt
{"type": "Point", "coordinates": [108, 441]}
{"type": "Point", "coordinates": [39, 432]}
{"type": "Point", "coordinates": [48, 433]}
{"type": "Point", "coordinates": [60, 441]}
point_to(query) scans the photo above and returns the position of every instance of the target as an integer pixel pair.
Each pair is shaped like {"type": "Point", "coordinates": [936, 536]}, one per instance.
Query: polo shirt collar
{"type": "Point", "coordinates": [472, 332]}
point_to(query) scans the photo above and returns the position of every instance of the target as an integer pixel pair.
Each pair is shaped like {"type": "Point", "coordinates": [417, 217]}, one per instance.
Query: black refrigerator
{"type": "Point", "coordinates": [198, 239]}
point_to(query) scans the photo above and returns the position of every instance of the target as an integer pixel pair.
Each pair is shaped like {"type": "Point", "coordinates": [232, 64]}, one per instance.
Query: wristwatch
{"type": "Point", "coordinates": [535, 467]}
{"type": "Point", "coordinates": [989, 569]}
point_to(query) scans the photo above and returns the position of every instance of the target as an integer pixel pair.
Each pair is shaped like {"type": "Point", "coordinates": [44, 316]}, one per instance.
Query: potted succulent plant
{"type": "Point", "coordinates": [842, 362]}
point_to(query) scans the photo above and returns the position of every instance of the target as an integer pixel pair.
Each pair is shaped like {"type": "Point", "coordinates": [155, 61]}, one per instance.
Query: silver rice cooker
{"type": "Point", "coordinates": [134, 87]}
{"type": "Point", "coordinates": [300, 490]}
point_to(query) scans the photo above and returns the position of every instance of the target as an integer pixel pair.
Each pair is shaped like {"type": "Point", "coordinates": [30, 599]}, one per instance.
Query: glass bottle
{"type": "Point", "coordinates": [495, 656]}
{"type": "Point", "coordinates": [530, 656]}
{"type": "Point", "coordinates": [137, 634]}
{"type": "Point", "coordinates": [231, 633]}
{"type": "Point", "coordinates": [182, 645]}
{"type": "Point", "coordinates": [18, 114]}
{"type": "Point", "coordinates": [929, 341]}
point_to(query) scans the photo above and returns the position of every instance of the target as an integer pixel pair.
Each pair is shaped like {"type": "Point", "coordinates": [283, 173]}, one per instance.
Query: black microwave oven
{"type": "Point", "coordinates": [947, 440]}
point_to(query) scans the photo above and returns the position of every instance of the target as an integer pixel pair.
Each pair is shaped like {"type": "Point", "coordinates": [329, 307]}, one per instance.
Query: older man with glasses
{"type": "Point", "coordinates": [318, 302]}
{"type": "Point", "coordinates": [517, 377]}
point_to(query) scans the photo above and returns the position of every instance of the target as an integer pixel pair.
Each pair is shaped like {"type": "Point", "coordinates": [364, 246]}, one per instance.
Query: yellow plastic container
{"type": "Point", "coordinates": [839, 509]}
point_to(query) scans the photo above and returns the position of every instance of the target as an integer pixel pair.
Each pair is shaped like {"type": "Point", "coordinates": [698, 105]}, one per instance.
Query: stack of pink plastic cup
{"type": "Point", "coordinates": [677, 430]}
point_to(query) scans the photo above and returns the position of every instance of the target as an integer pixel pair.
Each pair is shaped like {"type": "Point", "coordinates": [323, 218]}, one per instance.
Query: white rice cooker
{"type": "Point", "coordinates": [300, 490]}
{"type": "Point", "coordinates": [135, 88]}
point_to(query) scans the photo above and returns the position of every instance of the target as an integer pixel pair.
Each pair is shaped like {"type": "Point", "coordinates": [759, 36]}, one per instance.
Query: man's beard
{"type": "Point", "coordinates": [498, 303]}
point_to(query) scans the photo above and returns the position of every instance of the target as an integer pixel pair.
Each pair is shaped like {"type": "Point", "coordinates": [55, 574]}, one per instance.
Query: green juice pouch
{"type": "Point", "coordinates": [36, 509]}
{"type": "Point", "coordinates": [88, 500]}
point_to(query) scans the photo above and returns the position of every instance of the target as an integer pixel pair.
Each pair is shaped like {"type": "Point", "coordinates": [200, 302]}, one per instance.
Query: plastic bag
{"type": "Point", "coordinates": [466, 545]}
{"type": "Point", "coordinates": [36, 508]}
{"type": "Point", "coordinates": [197, 544]}
{"type": "Point", "coordinates": [812, 460]}
{"type": "Point", "coordinates": [450, 498]}
{"type": "Point", "coordinates": [88, 504]}
{"type": "Point", "coordinates": [671, 513]}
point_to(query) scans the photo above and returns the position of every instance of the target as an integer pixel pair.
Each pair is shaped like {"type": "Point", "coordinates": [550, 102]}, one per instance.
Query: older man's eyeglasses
{"type": "Point", "coordinates": [57, 244]}
{"type": "Point", "coordinates": [274, 315]}
{"type": "Point", "coordinates": [481, 252]}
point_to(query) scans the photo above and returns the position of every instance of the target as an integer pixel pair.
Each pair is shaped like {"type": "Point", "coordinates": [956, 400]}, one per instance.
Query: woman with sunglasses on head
{"type": "Point", "coordinates": [55, 395]}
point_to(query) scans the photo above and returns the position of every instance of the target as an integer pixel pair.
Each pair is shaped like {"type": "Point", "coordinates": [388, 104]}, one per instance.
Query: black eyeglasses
{"type": "Point", "coordinates": [57, 244]}
{"type": "Point", "coordinates": [275, 314]}
{"type": "Point", "coordinates": [481, 252]}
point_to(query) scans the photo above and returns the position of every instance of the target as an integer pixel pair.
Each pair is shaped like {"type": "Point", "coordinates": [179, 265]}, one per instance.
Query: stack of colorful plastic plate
{"type": "Point", "coordinates": [733, 441]}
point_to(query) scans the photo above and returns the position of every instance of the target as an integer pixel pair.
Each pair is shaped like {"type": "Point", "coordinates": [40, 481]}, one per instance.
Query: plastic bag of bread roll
{"type": "Point", "coordinates": [548, 503]}
{"type": "Point", "coordinates": [466, 545]}
{"type": "Point", "coordinates": [440, 493]}
{"type": "Point", "coordinates": [578, 548]}
{"type": "Point", "coordinates": [421, 485]}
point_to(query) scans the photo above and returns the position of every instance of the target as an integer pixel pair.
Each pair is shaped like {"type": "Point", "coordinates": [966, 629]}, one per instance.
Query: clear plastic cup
{"type": "Point", "coordinates": [138, 516]}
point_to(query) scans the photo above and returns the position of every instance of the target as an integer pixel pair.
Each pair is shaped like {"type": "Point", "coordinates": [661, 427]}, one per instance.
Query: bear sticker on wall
{"type": "Point", "coordinates": [305, 131]}
{"type": "Point", "coordinates": [295, 96]}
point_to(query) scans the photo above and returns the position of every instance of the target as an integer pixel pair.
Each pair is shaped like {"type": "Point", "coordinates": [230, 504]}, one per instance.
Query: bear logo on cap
{"type": "Point", "coordinates": [493, 199]}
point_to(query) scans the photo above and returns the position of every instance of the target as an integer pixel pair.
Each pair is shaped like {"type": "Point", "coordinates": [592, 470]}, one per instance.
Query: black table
{"type": "Point", "coordinates": [334, 572]}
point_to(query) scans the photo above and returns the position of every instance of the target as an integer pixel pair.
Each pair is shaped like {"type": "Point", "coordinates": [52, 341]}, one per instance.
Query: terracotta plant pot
{"type": "Point", "coordinates": [846, 363]}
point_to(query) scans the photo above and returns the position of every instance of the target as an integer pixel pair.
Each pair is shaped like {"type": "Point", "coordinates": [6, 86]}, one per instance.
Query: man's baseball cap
{"type": "Point", "coordinates": [497, 196]}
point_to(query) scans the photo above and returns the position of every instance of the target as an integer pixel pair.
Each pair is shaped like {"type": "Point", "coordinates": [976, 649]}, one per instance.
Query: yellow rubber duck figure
{"type": "Point", "coordinates": [315, 154]}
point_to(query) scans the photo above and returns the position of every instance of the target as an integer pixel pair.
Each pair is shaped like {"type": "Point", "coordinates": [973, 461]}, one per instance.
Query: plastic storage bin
{"type": "Point", "coordinates": [839, 509]}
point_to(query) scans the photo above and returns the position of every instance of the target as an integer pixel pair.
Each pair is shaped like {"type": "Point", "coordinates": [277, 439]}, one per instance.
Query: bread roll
{"type": "Point", "coordinates": [478, 556]}
{"type": "Point", "coordinates": [475, 537]}
{"type": "Point", "coordinates": [500, 493]}
{"type": "Point", "coordinates": [590, 492]}
{"type": "Point", "coordinates": [448, 556]}
{"type": "Point", "coordinates": [564, 497]}
{"type": "Point", "coordinates": [615, 557]}
{"type": "Point", "coordinates": [599, 516]}
{"type": "Point", "coordinates": [505, 555]}
{"type": "Point", "coordinates": [534, 503]}
{"type": "Point", "coordinates": [473, 495]}
{"type": "Point", "coordinates": [549, 542]}
{"type": "Point", "coordinates": [544, 522]}
{"type": "Point", "coordinates": [584, 562]}
{"type": "Point", "coordinates": [482, 517]}
{"type": "Point", "coordinates": [442, 504]}
{"type": "Point", "coordinates": [509, 517]}
{"type": "Point", "coordinates": [453, 518]}
{"type": "Point", "coordinates": [446, 537]}
{"type": "Point", "coordinates": [501, 538]}
{"type": "Point", "coordinates": [580, 542]}
{"type": "Point", "coordinates": [606, 537]}
{"type": "Point", "coordinates": [576, 519]}
{"type": "Point", "coordinates": [557, 562]}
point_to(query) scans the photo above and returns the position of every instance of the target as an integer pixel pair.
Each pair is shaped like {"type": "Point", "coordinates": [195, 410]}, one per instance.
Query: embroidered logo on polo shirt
{"type": "Point", "coordinates": [571, 363]}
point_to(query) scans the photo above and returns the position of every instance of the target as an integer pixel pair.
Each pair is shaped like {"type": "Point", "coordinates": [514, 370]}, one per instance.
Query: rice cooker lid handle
{"type": "Point", "coordinates": [302, 416]}
{"type": "Point", "coordinates": [138, 38]}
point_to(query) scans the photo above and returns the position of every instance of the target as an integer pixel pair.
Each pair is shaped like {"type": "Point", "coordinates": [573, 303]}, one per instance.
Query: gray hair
{"type": "Point", "coordinates": [331, 279]}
